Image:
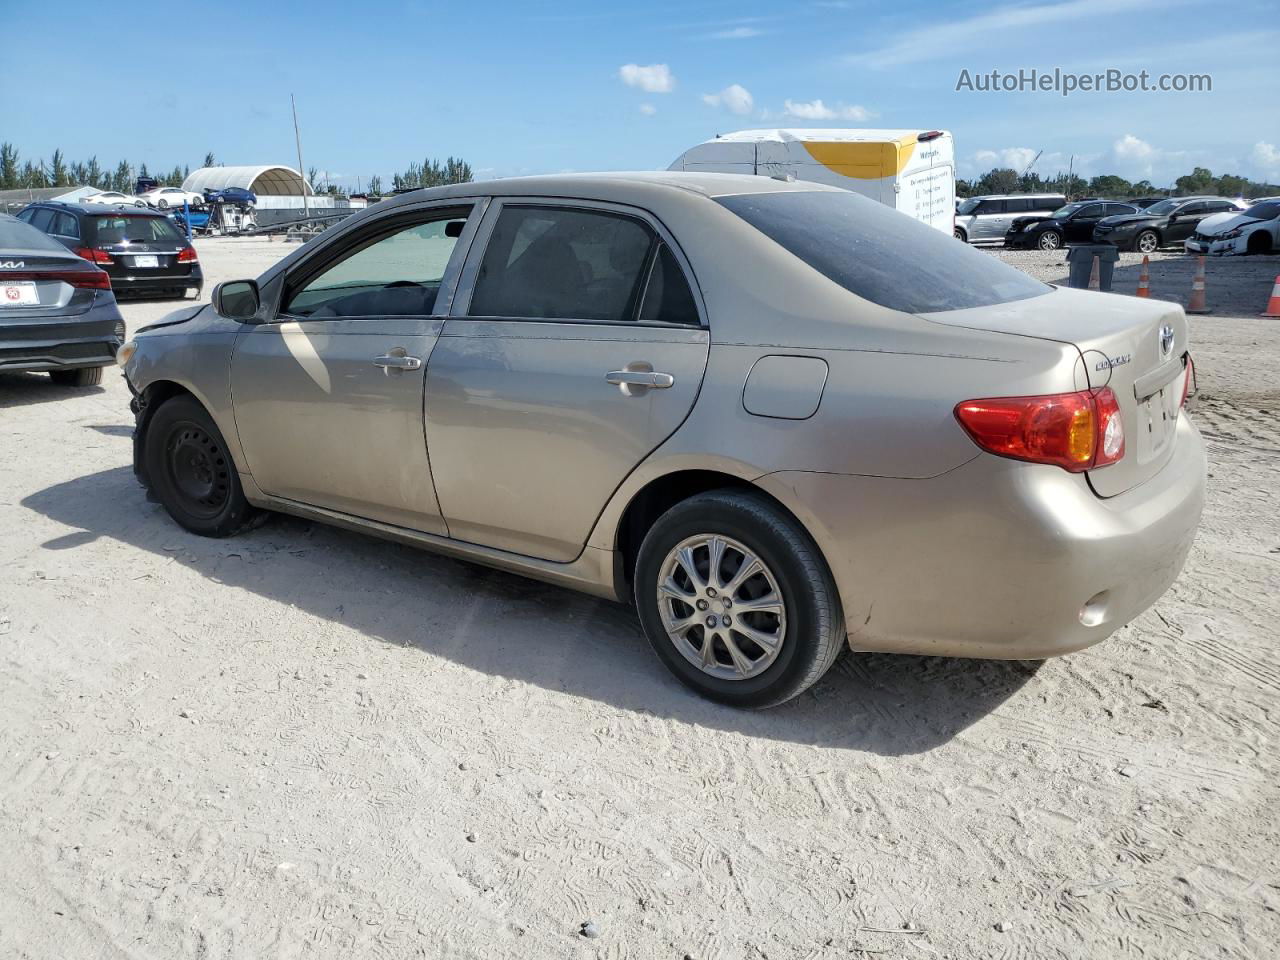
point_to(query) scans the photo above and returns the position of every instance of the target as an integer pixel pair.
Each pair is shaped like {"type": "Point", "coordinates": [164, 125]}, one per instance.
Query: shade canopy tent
{"type": "Point", "coordinates": [265, 181]}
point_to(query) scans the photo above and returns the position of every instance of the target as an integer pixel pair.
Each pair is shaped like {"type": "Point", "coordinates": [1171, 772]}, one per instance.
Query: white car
{"type": "Point", "coordinates": [115, 196]}
{"type": "Point", "coordinates": [1255, 230]}
{"type": "Point", "coordinates": [166, 197]}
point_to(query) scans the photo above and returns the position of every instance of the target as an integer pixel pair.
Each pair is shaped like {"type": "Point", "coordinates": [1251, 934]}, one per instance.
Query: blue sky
{"type": "Point", "coordinates": [543, 87]}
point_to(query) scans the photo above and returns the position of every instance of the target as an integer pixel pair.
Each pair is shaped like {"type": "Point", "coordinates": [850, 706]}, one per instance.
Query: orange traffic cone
{"type": "Point", "coordinates": [1273, 305]}
{"type": "Point", "coordinates": [1144, 278]}
{"type": "Point", "coordinates": [1094, 282]}
{"type": "Point", "coordinates": [1197, 304]}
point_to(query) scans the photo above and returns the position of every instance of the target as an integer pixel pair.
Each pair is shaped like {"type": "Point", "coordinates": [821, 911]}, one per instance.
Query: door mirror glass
{"type": "Point", "coordinates": [237, 300]}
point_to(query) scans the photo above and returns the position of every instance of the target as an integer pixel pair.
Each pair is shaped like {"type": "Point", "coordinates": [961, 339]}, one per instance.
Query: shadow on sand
{"type": "Point", "coordinates": [511, 627]}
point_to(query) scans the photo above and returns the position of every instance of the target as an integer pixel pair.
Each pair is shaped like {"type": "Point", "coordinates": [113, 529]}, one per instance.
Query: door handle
{"type": "Point", "coordinates": [641, 378]}
{"type": "Point", "coordinates": [397, 361]}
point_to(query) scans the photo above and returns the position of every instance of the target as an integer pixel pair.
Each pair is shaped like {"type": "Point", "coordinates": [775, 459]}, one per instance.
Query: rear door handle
{"type": "Point", "coordinates": [641, 378]}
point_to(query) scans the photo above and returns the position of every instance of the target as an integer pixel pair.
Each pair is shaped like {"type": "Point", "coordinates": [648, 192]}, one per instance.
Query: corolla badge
{"type": "Point", "coordinates": [1166, 339]}
{"type": "Point", "coordinates": [1107, 363]}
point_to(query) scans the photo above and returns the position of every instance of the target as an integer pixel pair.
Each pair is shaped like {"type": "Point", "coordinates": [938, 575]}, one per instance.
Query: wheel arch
{"type": "Point", "coordinates": [660, 493]}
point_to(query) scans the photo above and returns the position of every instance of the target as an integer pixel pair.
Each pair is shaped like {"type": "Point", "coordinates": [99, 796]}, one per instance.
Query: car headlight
{"type": "Point", "coordinates": [1231, 235]}
{"type": "Point", "coordinates": [126, 352]}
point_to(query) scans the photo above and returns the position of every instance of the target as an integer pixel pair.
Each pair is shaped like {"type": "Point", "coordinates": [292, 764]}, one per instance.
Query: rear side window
{"type": "Point", "coordinates": [1019, 205]}
{"type": "Point", "coordinates": [16, 236]}
{"type": "Point", "coordinates": [1047, 203]}
{"type": "Point", "coordinates": [547, 263]}
{"type": "Point", "coordinates": [119, 229]}
{"type": "Point", "coordinates": [65, 225]}
{"type": "Point", "coordinates": [882, 255]}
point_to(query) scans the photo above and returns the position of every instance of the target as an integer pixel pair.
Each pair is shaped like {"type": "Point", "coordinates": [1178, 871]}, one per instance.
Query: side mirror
{"type": "Point", "coordinates": [1173, 218]}
{"type": "Point", "coordinates": [237, 300]}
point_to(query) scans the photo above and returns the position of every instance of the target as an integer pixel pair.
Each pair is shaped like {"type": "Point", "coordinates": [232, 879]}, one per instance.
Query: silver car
{"type": "Point", "coordinates": [987, 219]}
{"type": "Point", "coordinates": [779, 417]}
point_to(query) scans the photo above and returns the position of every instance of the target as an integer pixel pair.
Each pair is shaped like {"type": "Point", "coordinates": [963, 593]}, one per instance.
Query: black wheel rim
{"type": "Point", "coordinates": [198, 468]}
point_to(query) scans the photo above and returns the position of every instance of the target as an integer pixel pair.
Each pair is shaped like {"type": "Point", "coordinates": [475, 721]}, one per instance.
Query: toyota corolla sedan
{"type": "Point", "coordinates": [780, 418]}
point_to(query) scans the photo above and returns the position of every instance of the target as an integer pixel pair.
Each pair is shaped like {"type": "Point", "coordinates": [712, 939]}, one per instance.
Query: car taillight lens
{"type": "Point", "coordinates": [187, 255]}
{"type": "Point", "coordinates": [93, 255]}
{"type": "Point", "coordinates": [1076, 431]}
{"type": "Point", "coordinates": [90, 279]}
{"type": "Point", "coordinates": [1187, 378]}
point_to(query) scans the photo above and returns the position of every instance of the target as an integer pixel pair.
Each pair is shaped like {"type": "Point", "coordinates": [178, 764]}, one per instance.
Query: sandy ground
{"type": "Point", "coordinates": [305, 743]}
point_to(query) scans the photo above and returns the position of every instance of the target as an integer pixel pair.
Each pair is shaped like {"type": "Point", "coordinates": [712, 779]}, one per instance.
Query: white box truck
{"type": "Point", "coordinates": [912, 171]}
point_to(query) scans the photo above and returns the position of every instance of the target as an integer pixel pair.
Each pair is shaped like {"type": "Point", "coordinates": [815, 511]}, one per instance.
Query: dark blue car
{"type": "Point", "coordinates": [231, 195]}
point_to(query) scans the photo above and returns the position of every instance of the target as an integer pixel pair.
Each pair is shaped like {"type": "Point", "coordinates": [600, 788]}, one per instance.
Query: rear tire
{"type": "Point", "coordinates": [802, 632]}
{"type": "Point", "coordinates": [192, 474]}
{"type": "Point", "coordinates": [84, 377]}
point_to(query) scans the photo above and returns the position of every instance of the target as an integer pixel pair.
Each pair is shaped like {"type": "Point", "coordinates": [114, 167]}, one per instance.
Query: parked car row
{"type": "Point", "coordinates": [167, 198]}
{"type": "Point", "coordinates": [1145, 224]}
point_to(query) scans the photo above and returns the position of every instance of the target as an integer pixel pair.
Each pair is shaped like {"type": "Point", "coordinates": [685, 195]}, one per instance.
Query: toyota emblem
{"type": "Point", "coordinates": [1166, 339]}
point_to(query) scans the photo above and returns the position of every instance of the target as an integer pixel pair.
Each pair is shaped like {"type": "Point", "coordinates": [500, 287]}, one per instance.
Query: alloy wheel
{"type": "Point", "coordinates": [721, 607]}
{"type": "Point", "coordinates": [1049, 241]}
{"type": "Point", "coordinates": [1148, 242]}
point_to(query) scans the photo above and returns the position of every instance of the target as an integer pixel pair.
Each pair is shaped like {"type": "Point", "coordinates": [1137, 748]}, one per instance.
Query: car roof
{"type": "Point", "coordinates": [622, 187]}
{"type": "Point", "coordinates": [98, 208]}
{"type": "Point", "coordinates": [1012, 196]}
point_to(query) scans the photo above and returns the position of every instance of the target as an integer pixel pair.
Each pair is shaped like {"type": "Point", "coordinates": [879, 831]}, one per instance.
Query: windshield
{"type": "Point", "coordinates": [126, 229]}
{"type": "Point", "coordinates": [882, 255]}
{"type": "Point", "coordinates": [1163, 207]}
{"type": "Point", "coordinates": [1063, 212]}
{"type": "Point", "coordinates": [968, 206]}
{"type": "Point", "coordinates": [1264, 211]}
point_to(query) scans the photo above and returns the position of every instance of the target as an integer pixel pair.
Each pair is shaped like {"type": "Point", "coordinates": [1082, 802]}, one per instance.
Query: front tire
{"type": "Point", "coordinates": [737, 601]}
{"type": "Point", "coordinates": [191, 472]}
{"type": "Point", "coordinates": [1049, 240]}
{"type": "Point", "coordinates": [84, 377]}
{"type": "Point", "coordinates": [1148, 241]}
{"type": "Point", "coordinates": [960, 235]}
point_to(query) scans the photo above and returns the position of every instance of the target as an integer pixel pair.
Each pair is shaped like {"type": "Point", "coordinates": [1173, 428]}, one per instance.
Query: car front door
{"type": "Point", "coordinates": [328, 394]}
{"type": "Point", "coordinates": [576, 345]}
{"type": "Point", "coordinates": [1079, 226]}
{"type": "Point", "coordinates": [990, 221]}
{"type": "Point", "coordinates": [1184, 220]}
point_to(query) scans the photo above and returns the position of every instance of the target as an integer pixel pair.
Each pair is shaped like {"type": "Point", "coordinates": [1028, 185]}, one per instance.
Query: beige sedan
{"type": "Point", "coordinates": [779, 417]}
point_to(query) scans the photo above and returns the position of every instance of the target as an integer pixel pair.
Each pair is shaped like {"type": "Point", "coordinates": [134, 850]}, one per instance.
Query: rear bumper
{"type": "Point", "coordinates": [62, 346]}
{"type": "Point", "coordinates": [136, 283]}
{"type": "Point", "coordinates": [999, 559]}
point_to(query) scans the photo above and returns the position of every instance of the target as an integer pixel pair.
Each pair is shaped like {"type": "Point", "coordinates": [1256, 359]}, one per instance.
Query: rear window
{"type": "Point", "coordinates": [118, 229]}
{"type": "Point", "coordinates": [17, 237]}
{"type": "Point", "coordinates": [882, 255]}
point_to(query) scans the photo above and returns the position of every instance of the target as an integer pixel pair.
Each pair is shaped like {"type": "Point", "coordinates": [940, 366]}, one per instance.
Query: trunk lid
{"type": "Point", "coordinates": [39, 273]}
{"type": "Point", "coordinates": [1136, 347]}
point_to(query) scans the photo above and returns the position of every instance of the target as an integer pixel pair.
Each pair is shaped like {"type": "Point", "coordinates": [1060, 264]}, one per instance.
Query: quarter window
{"type": "Point", "coordinates": [395, 275]}
{"type": "Point", "coordinates": [564, 263]}
{"type": "Point", "coordinates": [668, 297]}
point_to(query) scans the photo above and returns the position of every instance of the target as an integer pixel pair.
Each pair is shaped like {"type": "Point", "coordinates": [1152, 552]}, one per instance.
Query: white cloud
{"type": "Point", "coordinates": [654, 78]}
{"type": "Point", "coordinates": [736, 33]}
{"type": "Point", "coordinates": [734, 98]}
{"type": "Point", "coordinates": [1266, 157]}
{"type": "Point", "coordinates": [1016, 158]}
{"type": "Point", "coordinates": [817, 110]}
{"type": "Point", "coordinates": [958, 38]}
{"type": "Point", "coordinates": [648, 109]}
{"type": "Point", "coordinates": [1134, 157]}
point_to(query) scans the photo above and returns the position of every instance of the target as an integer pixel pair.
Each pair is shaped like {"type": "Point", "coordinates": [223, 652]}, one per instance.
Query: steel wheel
{"type": "Point", "coordinates": [198, 469]}
{"type": "Point", "coordinates": [721, 607]}
{"type": "Point", "coordinates": [1049, 240]}
{"type": "Point", "coordinates": [1147, 242]}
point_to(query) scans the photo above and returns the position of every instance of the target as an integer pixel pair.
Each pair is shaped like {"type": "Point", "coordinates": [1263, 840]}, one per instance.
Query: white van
{"type": "Point", "coordinates": [912, 171]}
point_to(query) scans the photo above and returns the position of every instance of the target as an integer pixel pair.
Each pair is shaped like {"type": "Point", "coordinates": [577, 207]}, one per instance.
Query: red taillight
{"type": "Point", "coordinates": [1187, 378]}
{"type": "Point", "coordinates": [187, 255]}
{"type": "Point", "coordinates": [93, 255]}
{"type": "Point", "coordinates": [84, 279]}
{"type": "Point", "coordinates": [1076, 431]}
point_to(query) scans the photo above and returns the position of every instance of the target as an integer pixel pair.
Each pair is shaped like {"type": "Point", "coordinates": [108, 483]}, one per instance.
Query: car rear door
{"type": "Point", "coordinates": [328, 395]}
{"type": "Point", "coordinates": [576, 345]}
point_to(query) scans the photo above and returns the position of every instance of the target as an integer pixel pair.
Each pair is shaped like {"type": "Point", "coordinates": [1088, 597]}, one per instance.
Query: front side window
{"type": "Point", "coordinates": [882, 255]}
{"type": "Point", "coordinates": [990, 206]}
{"type": "Point", "coordinates": [566, 263]}
{"type": "Point", "coordinates": [42, 219]}
{"type": "Point", "coordinates": [1092, 211]}
{"type": "Point", "coordinates": [390, 275]}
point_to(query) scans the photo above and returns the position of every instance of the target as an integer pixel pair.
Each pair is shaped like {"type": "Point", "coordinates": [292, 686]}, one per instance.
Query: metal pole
{"type": "Point", "coordinates": [302, 171]}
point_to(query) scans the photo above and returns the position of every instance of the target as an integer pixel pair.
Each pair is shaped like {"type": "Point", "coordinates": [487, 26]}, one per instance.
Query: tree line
{"type": "Point", "coordinates": [1109, 186]}
{"type": "Point", "coordinates": [17, 173]}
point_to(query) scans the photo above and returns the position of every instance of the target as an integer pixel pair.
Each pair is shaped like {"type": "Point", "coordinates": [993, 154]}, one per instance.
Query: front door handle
{"type": "Point", "coordinates": [641, 378]}
{"type": "Point", "coordinates": [396, 361]}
